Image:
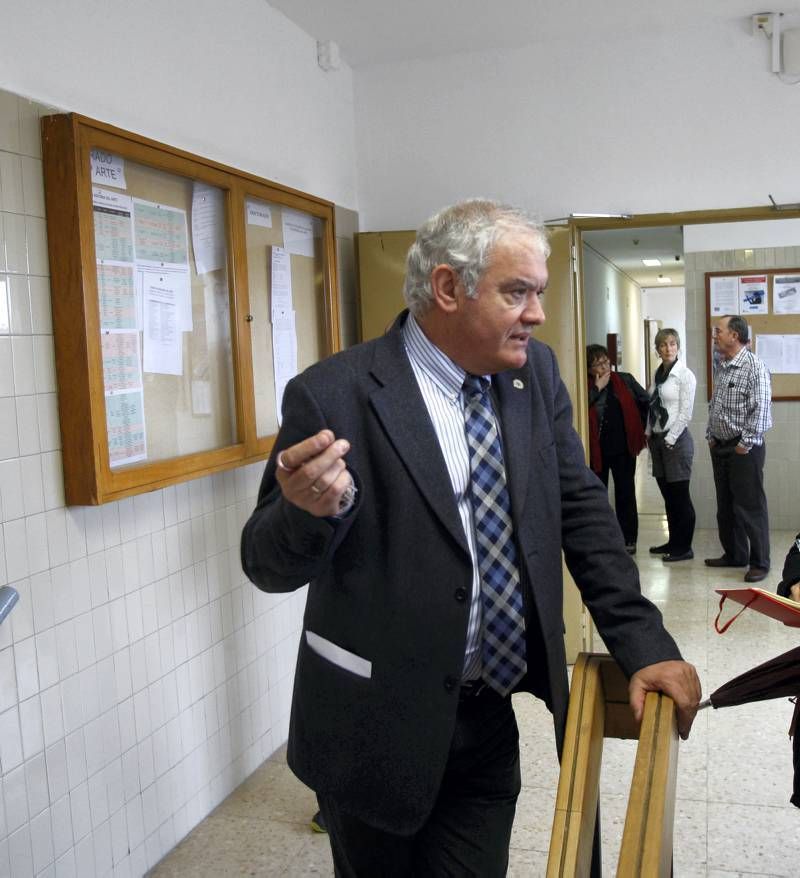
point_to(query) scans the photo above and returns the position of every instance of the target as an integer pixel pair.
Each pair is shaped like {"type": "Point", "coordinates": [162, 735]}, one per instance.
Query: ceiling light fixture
{"type": "Point", "coordinates": [664, 280]}
{"type": "Point", "coordinates": [651, 263]}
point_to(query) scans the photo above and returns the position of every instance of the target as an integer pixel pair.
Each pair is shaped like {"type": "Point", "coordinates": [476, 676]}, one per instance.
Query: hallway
{"type": "Point", "coordinates": [733, 816]}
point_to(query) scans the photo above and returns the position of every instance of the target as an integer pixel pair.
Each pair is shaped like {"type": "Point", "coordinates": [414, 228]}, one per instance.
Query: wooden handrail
{"type": "Point", "coordinates": [647, 838]}
{"type": "Point", "coordinates": [598, 708]}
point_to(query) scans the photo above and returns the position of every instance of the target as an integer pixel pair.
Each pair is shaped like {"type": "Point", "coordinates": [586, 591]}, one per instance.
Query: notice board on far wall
{"type": "Point", "coordinates": [769, 300]}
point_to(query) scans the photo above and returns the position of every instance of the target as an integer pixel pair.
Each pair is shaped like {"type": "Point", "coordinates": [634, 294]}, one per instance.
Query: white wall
{"type": "Point", "coordinates": [142, 678]}
{"type": "Point", "coordinates": [572, 125]}
{"type": "Point", "coordinates": [667, 304]}
{"type": "Point", "coordinates": [613, 304]}
{"type": "Point", "coordinates": [236, 82]}
{"type": "Point", "coordinates": [705, 237]}
{"type": "Point", "coordinates": [781, 471]}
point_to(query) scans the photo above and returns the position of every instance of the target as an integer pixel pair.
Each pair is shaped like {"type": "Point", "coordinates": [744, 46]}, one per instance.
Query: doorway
{"type": "Point", "coordinates": [633, 284]}
{"type": "Point", "coordinates": [733, 240]}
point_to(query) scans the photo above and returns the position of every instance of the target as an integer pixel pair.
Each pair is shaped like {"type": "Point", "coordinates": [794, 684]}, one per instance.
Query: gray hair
{"type": "Point", "coordinates": [462, 236]}
{"type": "Point", "coordinates": [739, 325]}
{"type": "Point", "coordinates": [668, 332]}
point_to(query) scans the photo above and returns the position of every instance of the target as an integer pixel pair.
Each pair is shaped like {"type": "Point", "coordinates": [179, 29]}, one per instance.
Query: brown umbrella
{"type": "Point", "coordinates": [776, 678]}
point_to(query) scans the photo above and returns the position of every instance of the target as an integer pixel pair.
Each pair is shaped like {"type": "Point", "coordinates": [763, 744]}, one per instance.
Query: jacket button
{"type": "Point", "coordinates": [450, 683]}
{"type": "Point", "coordinates": [461, 595]}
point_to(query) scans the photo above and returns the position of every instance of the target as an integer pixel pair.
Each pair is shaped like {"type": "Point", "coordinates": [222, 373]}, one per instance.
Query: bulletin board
{"type": "Point", "coordinates": [769, 300]}
{"type": "Point", "coordinates": [186, 294]}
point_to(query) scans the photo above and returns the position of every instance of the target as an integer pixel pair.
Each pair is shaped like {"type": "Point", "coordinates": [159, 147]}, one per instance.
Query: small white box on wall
{"type": "Point", "coordinates": [791, 51]}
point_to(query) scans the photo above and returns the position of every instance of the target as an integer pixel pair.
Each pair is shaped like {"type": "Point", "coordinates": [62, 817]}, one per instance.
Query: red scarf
{"type": "Point", "coordinates": [634, 432]}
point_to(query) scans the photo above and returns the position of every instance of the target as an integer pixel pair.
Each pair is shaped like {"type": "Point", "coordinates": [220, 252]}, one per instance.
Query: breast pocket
{"type": "Point", "coordinates": [339, 656]}
{"type": "Point", "coordinates": [735, 391]}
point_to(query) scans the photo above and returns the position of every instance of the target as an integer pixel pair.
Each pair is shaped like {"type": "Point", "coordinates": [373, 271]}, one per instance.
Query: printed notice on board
{"type": "Point", "coordinates": [113, 228]}
{"type": "Point", "coordinates": [122, 370]}
{"type": "Point", "coordinates": [298, 232]}
{"type": "Point", "coordinates": [786, 294]}
{"type": "Point", "coordinates": [780, 353]}
{"type": "Point", "coordinates": [284, 353]}
{"type": "Point", "coordinates": [753, 294]}
{"type": "Point", "coordinates": [174, 283]}
{"type": "Point", "coordinates": [208, 228]}
{"type": "Point", "coordinates": [117, 294]}
{"type": "Point", "coordinates": [259, 214]}
{"type": "Point", "coordinates": [163, 342]}
{"type": "Point", "coordinates": [160, 233]}
{"type": "Point", "coordinates": [107, 168]}
{"type": "Point", "coordinates": [127, 441]}
{"type": "Point", "coordinates": [280, 281]}
{"type": "Point", "coordinates": [723, 296]}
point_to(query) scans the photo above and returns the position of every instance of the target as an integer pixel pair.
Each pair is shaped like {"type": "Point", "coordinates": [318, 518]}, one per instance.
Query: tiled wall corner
{"type": "Point", "coordinates": [142, 678]}
{"type": "Point", "coordinates": [781, 474]}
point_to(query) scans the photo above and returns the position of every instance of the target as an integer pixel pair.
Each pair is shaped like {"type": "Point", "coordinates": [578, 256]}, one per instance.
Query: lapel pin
{"type": "Point", "coordinates": [518, 384]}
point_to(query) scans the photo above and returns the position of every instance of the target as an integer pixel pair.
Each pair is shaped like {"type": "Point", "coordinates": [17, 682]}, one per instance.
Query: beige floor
{"type": "Point", "coordinates": [732, 813]}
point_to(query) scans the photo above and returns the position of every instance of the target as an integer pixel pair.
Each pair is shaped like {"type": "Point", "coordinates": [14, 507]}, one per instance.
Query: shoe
{"type": "Point", "coordinates": [755, 574]}
{"type": "Point", "coordinates": [317, 823]}
{"type": "Point", "coordinates": [660, 550]}
{"type": "Point", "coordinates": [630, 548]}
{"type": "Point", "coordinates": [724, 561]}
{"type": "Point", "coordinates": [678, 556]}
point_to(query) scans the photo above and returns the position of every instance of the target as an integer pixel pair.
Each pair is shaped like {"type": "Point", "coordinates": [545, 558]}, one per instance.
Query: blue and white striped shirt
{"type": "Point", "coordinates": [440, 382]}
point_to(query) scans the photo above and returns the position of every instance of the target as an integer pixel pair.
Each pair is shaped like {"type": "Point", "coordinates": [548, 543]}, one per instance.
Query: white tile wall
{"type": "Point", "coordinates": [141, 676]}
{"type": "Point", "coordinates": [781, 472]}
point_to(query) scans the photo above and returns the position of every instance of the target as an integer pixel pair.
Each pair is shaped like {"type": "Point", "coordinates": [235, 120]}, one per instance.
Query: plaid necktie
{"type": "Point", "coordinates": [503, 618]}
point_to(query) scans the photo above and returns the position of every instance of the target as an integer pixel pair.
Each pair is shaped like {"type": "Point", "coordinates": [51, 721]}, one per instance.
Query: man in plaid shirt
{"type": "Point", "coordinates": [739, 415]}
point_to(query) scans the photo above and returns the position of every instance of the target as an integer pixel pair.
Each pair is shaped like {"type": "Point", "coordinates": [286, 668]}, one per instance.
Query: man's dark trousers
{"type": "Point", "coordinates": [469, 831]}
{"type": "Point", "coordinates": [741, 504]}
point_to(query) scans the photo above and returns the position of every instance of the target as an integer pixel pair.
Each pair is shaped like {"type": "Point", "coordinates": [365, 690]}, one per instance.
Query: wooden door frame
{"type": "Point", "coordinates": [579, 225]}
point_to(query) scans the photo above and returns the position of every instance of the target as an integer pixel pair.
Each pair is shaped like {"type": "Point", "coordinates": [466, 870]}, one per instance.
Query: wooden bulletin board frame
{"type": "Point", "coordinates": [785, 386]}
{"type": "Point", "coordinates": [89, 477]}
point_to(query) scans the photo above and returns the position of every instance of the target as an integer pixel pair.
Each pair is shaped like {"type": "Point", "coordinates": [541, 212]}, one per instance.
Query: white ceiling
{"type": "Point", "coordinates": [626, 248]}
{"type": "Point", "coordinates": [371, 32]}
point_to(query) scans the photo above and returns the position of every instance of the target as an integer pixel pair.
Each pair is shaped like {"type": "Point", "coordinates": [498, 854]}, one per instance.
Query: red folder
{"type": "Point", "coordinates": [766, 602]}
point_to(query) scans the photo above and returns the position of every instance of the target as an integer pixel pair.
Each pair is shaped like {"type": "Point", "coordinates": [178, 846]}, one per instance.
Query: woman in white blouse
{"type": "Point", "coordinates": [671, 445]}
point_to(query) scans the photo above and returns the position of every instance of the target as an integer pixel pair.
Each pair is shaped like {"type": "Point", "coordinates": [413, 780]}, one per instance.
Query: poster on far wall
{"type": "Point", "coordinates": [723, 296]}
{"type": "Point", "coordinates": [786, 294]}
{"type": "Point", "coordinates": [753, 294]}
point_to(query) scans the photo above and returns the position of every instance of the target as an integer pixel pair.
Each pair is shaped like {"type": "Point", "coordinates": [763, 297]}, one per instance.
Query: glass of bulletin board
{"type": "Point", "coordinates": [162, 282]}
{"type": "Point", "coordinates": [769, 300]}
{"type": "Point", "coordinates": [285, 271]}
{"type": "Point", "coordinates": [185, 295]}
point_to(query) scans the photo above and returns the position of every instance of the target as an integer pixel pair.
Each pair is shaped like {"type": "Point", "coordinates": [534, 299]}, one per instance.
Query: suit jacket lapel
{"type": "Point", "coordinates": [399, 406]}
{"type": "Point", "coordinates": [513, 392]}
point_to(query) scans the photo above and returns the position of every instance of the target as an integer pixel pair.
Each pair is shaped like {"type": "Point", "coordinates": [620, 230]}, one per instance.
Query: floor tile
{"type": "Point", "coordinates": [225, 845]}
{"type": "Point", "coordinates": [754, 839]}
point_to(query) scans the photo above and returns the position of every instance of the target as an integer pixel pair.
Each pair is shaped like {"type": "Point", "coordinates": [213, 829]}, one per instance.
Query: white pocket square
{"type": "Point", "coordinates": [338, 656]}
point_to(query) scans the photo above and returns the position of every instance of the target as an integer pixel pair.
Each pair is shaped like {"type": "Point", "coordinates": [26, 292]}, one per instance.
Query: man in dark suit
{"type": "Point", "coordinates": [424, 485]}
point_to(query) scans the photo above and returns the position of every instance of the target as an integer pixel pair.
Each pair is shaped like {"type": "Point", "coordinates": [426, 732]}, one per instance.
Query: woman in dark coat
{"type": "Point", "coordinates": [618, 407]}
